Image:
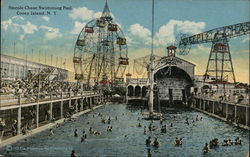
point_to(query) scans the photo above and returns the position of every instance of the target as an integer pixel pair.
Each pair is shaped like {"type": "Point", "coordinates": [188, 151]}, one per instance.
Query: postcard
{"type": "Point", "coordinates": [124, 78]}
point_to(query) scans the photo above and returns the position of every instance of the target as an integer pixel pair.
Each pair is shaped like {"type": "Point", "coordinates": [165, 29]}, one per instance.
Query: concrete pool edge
{"type": "Point", "coordinates": [16, 138]}
{"type": "Point", "coordinates": [221, 118]}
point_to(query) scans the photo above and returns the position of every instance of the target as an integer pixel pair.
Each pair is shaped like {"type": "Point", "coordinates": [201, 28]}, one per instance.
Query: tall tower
{"type": "Point", "coordinates": [220, 65]}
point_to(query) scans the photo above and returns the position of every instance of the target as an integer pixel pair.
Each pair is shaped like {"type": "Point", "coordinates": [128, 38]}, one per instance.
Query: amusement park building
{"type": "Point", "coordinates": [173, 80]}
{"type": "Point", "coordinates": [13, 68]}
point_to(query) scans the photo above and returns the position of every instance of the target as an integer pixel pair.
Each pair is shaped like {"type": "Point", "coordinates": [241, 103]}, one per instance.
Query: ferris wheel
{"type": "Point", "coordinates": [100, 53]}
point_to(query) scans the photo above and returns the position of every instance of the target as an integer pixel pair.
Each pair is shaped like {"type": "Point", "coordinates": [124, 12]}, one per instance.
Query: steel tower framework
{"type": "Point", "coordinates": [219, 63]}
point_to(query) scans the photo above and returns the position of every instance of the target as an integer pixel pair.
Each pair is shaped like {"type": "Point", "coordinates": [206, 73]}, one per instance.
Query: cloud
{"type": "Point", "coordinates": [18, 17]}
{"type": "Point", "coordinates": [129, 40]}
{"type": "Point", "coordinates": [29, 28]}
{"type": "Point", "coordinates": [199, 50]}
{"type": "Point", "coordinates": [85, 14]}
{"type": "Point", "coordinates": [97, 14]}
{"type": "Point", "coordinates": [9, 24]}
{"type": "Point", "coordinates": [138, 31]}
{"type": "Point", "coordinates": [78, 26]}
{"type": "Point", "coordinates": [51, 32]}
{"type": "Point", "coordinates": [166, 33]}
{"type": "Point", "coordinates": [46, 18]}
{"type": "Point", "coordinates": [82, 13]}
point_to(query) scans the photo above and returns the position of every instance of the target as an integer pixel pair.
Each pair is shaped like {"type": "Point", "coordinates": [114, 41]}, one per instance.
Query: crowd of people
{"type": "Point", "coordinates": [28, 88]}
{"type": "Point", "coordinates": [230, 97]}
{"type": "Point", "coordinates": [215, 143]}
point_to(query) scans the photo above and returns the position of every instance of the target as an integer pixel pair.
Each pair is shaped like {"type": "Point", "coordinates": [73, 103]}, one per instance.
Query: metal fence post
{"type": "Point", "coordinates": [19, 115]}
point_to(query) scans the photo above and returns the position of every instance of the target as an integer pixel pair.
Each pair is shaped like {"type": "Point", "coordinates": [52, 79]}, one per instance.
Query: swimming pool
{"type": "Point", "coordinates": [127, 139]}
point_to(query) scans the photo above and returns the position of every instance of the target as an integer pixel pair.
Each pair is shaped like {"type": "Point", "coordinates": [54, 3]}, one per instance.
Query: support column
{"type": "Point", "coordinates": [76, 105]}
{"type": "Point", "coordinates": [19, 115]}
{"type": "Point", "coordinates": [247, 116]}
{"type": "Point", "coordinates": [51, 111]}
{"type": "Point", "coordinates": [37, 107]}
{"type": "Point", "coordinates": [200, 103]}
{"type": "Point", "coordinates": [61, 106]}
{"type": "Point", "coordinates": [204, 105]}
{"type": "Point", "coordinates": [213, 107]}
{"type": "Point", "coordinates": [90, 101]}
{"type": "Point", "coordinates": [82, 103]}
{"type": "Point", "coordinates": [235, 113]}
{"type": "Point", "coordinates": [37, 115]}
{"type": "Point", "coordinates": [226, 111]}
{"type": "Point", "coordinates": [69, 99]}
{"type": "Point", "coordinates": [133, 91]}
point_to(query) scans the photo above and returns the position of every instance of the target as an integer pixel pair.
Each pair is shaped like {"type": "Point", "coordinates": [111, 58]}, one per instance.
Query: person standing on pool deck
{"type": "Point", "coordinates": [2, 126]}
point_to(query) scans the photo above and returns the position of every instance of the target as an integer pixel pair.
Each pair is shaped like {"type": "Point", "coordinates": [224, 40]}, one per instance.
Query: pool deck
{"type": "Point", "coordinates": [14, 139]}
{"type": "Point", "coordinates": [221, 118]}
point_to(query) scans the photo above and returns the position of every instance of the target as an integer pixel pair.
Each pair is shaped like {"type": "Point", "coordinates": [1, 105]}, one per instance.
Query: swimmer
{"type": "Point", "coordinates": [205, 148]}
{"type": "Point", "coordinates": [91, 130]}
{"type": "Point", "coordinates": [57, 125]}
{"type": "Point", "coordinates": [177, 141]}
{"type": "Point", "coordinates": [51, 132]}
{"type": "Point", "coordinates": [84, 135]}
{"type": "Point", "coordinates": [109, 120]}
{"type": "Point", "coordinates": [73, 154]}
{"type": "Point", "coordinates": [150, 127]}
{"type": "Point", "coordinates": [161, 121]}
{"type": "Point", "coordinates": [148, 141]}
{"type": "Point", "coordinates": [154, 128]}
{"type": "Point", "coordinates": [83, 139]}
{"type": "Point", "coordinates": [197, 118]}
{"type": "Point", "coordinates": [75, 133]}
{"type": "Point", "coordinates": [139, 125]}
{"type": "Point", "coordinates": [109, 128]}
{"type": "Point", "coordinates": [238, 141]}
{"type": "Point", "coordinates": [145, 130]}
{"type": "Point", "coordinates": [103, 121]}
{"type": "Point", "coordinates": [149, 153]}
{"type": "Point", "coordinates": [180, 141]}
{"type": "Point", "coordinates": [225, 143]}
{"type": "Point", "coordinates": [96, 133]}
{"type": "Point", "coordinates": [116, 118]}
{"type": "Point", "coordinates": [156, 143]}
{"type": "Point", "coordinates": [164, 129]}
{"type": "Point", "coordinates": [171, 125]}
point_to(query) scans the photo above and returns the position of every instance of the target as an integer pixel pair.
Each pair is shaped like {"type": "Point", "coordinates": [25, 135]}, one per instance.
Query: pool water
{"type": "Point", "coordinates": [127, 139]}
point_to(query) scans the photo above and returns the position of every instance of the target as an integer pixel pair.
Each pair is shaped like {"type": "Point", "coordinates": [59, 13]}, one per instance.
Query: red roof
{"type": "Point", "coordinates": [219, 44]}
{"type": "Point", "coordinates": [219, 82]}
{"type": "Point", "coordinates": [171, 47]}
{"type": "Point", "coordinates": [239, 86]}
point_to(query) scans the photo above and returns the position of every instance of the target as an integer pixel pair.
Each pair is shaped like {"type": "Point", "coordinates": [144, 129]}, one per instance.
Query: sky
{"type": "Point", "coordinates": [43, 37]}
